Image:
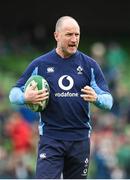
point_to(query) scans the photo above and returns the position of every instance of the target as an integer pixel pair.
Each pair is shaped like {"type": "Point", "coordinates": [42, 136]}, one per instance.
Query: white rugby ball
{"type": "Point", "coordinates": [41, 84]}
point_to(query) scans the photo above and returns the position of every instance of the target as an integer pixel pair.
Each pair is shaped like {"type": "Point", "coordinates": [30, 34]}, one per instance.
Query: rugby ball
{"type": "Point", "coordinates": [41, 84]}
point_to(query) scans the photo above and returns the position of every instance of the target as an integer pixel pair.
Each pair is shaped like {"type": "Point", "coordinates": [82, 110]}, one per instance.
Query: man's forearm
{"type": "Point", "coordinates": [104, 101]}
{"type": "Point", "coordinates": [16, 96]}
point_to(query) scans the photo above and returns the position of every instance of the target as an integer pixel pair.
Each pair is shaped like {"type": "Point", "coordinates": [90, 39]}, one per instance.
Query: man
{"type": "Point", "coordinates": [75, 80]}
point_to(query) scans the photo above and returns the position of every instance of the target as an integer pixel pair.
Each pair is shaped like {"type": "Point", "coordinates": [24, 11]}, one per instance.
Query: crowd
{"type": "Point", "coordinates": [111, 130]}
{"type": "Point", "coordinates": [110, 146]}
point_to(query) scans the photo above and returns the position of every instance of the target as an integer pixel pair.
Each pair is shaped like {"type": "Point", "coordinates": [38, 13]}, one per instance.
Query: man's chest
{"type": "Point", "coordinates": [65, 77]}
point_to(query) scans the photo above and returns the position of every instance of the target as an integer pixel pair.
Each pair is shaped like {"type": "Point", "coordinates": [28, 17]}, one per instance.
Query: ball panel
{"type": "Point", "coordinates": [37, 79]}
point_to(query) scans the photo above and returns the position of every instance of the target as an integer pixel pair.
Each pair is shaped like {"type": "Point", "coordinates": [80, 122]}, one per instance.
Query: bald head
{"type": "Point", "coordinates": [63, 21]}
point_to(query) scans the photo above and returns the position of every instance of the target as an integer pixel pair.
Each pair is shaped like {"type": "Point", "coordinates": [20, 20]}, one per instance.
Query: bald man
{"type": "Point", "coordinates": [75, 80]}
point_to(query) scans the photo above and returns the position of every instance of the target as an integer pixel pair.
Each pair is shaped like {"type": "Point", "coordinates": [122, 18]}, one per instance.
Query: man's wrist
{"type": "Point", "coordinates": [22, 99]}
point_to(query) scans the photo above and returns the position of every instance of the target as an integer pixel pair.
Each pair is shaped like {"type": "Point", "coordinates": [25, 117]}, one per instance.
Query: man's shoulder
{"type": "Point", "coordinates": [87, 58]}
{"type": "Point", "coordinates": [44, 56]}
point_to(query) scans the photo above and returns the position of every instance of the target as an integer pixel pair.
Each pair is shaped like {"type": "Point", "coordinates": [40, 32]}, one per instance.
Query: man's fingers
{"type": "Point", "coordinates": [89, 94]}
{"type": "Point", "coordinates": [42, 91]}
{"type": "Point", "coordinates": [87, 87]}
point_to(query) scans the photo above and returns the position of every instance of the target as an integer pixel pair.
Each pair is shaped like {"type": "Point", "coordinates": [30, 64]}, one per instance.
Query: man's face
{"type": "Point", "coordinates": [68, 38]}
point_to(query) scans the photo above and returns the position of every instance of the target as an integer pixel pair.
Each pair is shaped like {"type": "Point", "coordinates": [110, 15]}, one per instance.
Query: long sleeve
{"type": "Point", "coordinates": [98, 83]}
{"type": "Point", "coordinates": [16, 96]}
{"type": "Point", "coordinates": [104, 101]}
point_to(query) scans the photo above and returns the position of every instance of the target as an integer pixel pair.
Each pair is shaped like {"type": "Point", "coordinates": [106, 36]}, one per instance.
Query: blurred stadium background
{"type": "Point", "coordinates": [26, 31]}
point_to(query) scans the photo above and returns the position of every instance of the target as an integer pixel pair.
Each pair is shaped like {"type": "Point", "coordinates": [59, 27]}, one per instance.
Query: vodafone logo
{"type": "Point", "coordinates": [66, 82]}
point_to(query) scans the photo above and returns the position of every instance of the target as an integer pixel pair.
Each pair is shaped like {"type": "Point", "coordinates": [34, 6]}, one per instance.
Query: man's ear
{"type": "Point", "coordinates": [56, 36]}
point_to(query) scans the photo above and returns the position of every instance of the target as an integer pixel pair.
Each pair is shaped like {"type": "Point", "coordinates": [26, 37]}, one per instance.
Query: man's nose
{"type": "Point", "coordinates": [73, 38]}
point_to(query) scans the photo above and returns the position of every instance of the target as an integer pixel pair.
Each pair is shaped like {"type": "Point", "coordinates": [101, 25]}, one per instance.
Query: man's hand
{"type": "Point", "coordinates": [89, 94]}
{"type": "Point", "coordinates": [34, 96]}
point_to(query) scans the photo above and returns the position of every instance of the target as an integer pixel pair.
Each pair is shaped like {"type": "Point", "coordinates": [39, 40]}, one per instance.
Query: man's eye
{"type": "Point", "coordinates": [69, 34]}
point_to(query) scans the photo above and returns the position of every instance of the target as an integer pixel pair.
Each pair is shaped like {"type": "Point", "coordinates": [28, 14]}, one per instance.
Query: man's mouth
{"type": "Point", "coordinates": [72, 45]}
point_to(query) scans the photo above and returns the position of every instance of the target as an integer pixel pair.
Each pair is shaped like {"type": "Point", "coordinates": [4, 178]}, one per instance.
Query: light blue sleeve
{"type": "Point", "coordinates": [16, 96]}
{"type": "Point", "coordinates": [104, 98]}
{"type": "Point", "coordinates": [104, 101]}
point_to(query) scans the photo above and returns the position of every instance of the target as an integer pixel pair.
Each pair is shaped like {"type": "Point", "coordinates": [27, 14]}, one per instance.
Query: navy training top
{"type": "Point", "coordinates": [67, 115]}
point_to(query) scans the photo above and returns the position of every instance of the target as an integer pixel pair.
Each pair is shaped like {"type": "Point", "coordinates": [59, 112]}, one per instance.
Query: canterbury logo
{"type": "Point", "coordinates": [66, 80]}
